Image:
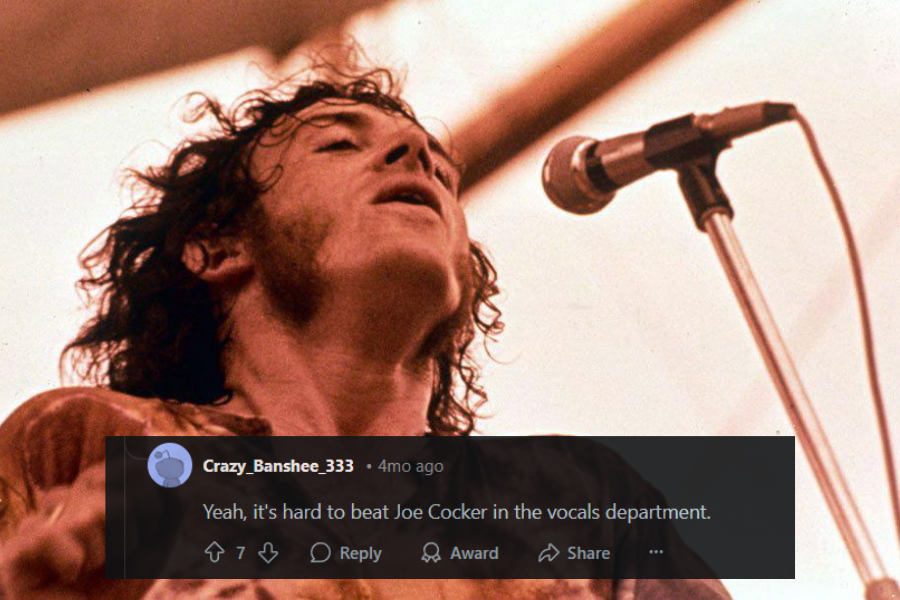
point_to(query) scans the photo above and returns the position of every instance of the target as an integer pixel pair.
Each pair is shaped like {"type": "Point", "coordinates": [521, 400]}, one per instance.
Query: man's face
{"type": "Point", "coordinates": [364, 196]}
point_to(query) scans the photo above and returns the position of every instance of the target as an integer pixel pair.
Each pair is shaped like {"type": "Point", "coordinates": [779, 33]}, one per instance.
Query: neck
{"type": "Point", "coordinates": [350, 370]}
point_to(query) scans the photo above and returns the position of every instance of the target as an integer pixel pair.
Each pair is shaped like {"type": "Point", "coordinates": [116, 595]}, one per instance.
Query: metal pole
{"type": "Point", "coordinates": [800, 410]}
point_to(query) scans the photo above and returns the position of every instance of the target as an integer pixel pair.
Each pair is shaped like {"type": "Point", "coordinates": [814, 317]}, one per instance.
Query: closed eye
{"type": "Point", "coordinates": [338, 145]}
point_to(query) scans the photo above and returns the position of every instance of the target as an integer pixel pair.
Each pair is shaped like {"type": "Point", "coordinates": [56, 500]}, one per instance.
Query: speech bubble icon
{"type": "Point", "coordinates": [312, 553]}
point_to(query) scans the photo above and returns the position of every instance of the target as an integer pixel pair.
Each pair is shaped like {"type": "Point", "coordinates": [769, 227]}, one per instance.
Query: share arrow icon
{"type": "Point", "coordinates": [549, 553]}
{"type": "Point", "coordinates": [215, 551]}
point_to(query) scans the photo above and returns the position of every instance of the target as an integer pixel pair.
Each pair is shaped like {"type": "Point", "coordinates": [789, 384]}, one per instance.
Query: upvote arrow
{"type": "Point", "coordinates": [268, 554]}
{"type": "Point", "coordinates": [214, 550]}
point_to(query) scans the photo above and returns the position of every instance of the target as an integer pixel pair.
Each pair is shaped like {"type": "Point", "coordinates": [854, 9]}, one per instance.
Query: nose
{"type": "Point", "coordinates": [409, 150]}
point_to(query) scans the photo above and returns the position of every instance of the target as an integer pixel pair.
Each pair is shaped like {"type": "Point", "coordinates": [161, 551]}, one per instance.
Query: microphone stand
{"type": "Point", "coordinates": [712, 214]}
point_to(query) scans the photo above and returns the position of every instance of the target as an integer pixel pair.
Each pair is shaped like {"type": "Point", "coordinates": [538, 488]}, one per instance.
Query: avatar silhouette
{"type": "Point", "coordinates": [170, 469]}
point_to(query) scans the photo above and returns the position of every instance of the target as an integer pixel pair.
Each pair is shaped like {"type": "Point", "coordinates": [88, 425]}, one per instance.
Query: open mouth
{"type": "Point", "coordinates": [414, 195]}
{"type": "Point", "coordinates": [410, 198]}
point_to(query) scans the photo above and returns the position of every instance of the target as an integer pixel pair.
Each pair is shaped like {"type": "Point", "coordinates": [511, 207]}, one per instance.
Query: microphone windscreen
{"type": "Point", "coordinates": [565, 181]}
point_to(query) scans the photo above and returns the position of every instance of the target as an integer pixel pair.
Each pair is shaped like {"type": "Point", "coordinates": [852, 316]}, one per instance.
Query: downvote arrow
{"type": "Point", "coordinates": [268, 553]}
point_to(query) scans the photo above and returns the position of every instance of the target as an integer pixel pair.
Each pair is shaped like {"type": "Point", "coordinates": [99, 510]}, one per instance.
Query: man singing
{"type": "Point", "coordinates": [304, 269]}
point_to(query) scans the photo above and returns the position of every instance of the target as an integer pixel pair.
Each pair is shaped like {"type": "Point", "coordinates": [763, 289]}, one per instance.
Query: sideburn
{"type": "Point", "coordinates": [287, 265]}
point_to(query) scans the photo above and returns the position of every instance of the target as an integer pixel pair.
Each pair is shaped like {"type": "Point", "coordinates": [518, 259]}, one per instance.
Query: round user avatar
{"type": "Point", "coordinates": [169, 465]}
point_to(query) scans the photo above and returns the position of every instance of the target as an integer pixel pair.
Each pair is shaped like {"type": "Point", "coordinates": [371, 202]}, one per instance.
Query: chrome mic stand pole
{"type": "Point", "coordinates": [712, 214]}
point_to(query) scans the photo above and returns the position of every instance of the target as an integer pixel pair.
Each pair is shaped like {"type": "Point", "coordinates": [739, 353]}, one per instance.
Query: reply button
{"type": "Point", "coordinates": [369, 553]}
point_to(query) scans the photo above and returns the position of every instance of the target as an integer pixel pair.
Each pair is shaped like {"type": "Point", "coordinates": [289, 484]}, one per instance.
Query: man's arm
{"type": "Point", "coordinates": [52, 481]}
{"type": "Point", "coordinates": [59, 548]}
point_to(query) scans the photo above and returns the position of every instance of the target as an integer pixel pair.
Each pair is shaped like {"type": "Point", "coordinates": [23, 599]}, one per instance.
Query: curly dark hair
{"type": "Point", "coordinates": [154, 331]}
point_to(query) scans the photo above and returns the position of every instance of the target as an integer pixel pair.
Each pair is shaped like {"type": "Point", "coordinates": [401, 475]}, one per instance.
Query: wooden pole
{"type": "Point", "coordinates": [579, 76]}
{"type": "Point", "coordinates": [54, 49]}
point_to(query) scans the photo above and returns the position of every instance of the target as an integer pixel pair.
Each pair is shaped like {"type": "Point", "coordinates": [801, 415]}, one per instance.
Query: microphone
{"type": "Point", "coordinates": [581, 175]}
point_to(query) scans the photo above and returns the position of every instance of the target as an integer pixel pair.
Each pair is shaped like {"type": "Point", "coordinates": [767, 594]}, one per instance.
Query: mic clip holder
{"type": "Point", "coordinates": [702, 190]}
{"type": "Point", "coordinates": [681, 144]}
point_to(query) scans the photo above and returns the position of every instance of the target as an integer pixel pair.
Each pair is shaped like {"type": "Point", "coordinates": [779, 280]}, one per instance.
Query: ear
{"type": "Point", "coordinates": [219, 259]}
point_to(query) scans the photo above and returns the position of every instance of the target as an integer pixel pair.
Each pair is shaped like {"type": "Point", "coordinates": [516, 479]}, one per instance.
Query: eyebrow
{"type": "Point", "coordinates": [353, 118]}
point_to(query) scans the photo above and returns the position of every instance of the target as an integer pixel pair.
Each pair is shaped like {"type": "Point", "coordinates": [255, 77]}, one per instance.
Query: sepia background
{"type": "Point", "coordinates": [621, 323]}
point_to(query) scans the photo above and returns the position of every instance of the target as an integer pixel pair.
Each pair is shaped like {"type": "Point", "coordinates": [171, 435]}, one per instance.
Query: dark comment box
{"type": "Point", "coordinates": [480, 507]}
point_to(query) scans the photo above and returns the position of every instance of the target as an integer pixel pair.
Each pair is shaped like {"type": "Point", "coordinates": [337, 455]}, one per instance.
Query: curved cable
{"type": "Point", "coordinates": [865, 319]}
